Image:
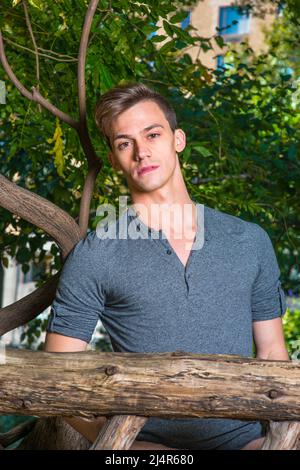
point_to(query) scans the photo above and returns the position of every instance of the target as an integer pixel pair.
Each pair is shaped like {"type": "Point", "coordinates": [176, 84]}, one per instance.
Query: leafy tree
{"type": "Point", "coordinates": [242, 124]}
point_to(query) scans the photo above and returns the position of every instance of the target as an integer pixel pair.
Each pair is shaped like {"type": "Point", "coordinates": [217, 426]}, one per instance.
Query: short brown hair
{"type": "Point", "coordinates": [120, 98]}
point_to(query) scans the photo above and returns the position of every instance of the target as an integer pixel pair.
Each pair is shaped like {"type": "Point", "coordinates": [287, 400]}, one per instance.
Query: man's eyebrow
{"type": "Point", "coordinates": [127, 136]}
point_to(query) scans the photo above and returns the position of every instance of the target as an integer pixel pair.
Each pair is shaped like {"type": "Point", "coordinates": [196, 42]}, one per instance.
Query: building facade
{"type": "Point", "coordinates": [209, 15]}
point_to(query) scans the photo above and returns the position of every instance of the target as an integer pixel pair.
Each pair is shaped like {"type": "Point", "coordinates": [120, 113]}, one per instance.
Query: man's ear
{"type": "Point", "coordinates": [180, 140]}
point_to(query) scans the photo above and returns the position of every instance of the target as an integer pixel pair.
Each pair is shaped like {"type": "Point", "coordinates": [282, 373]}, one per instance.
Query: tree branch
{"type": "Point", "coordinates": [26, 309]}
{"type": "Point", "coordinates": [94, 163]}
{"type": "Point", "coordinates": [35, 95]}
{"type": "Point", "coordinates": [68, 58]}
{"type": "Point", "coordinates": [87, 196]}
{"type": "Point", "coordinates": [282, 435]}
{"type": "Point", "coordinates": [83, 130]}
{"type": "Point", "coordinates": [81, 62]}
{"type": "Point", "coordinates": [40, 212]}
{"type": "Point", "coordinates": [119, 432]}
{"type": "Point", "coordinates": [27, 18]}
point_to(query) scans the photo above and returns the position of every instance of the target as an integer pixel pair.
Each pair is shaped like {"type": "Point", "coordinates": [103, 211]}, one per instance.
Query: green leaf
{"type": "Point", "coordinates": [37, 4]}
{"type": "Point", "coordinates": [179, 17]}
{"type": "Point", "coordinates": [168, 29]}
{"type": "Point", "coordinates": [186, 153]}
{"type": "Point", "coordinates": [158, 38]}
{"type": "Point", "coordinates": [220, 41]}
{"type": "Point", "coordinates": [105, 77]}
{"type": "Point", "coordinates": [167, 46]}
{"type": "Point", "coordinates": [202, 150]}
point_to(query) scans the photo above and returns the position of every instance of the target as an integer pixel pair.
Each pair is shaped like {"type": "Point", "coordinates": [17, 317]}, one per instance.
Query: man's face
{"type": "Point", "coordinates": [144, 147]}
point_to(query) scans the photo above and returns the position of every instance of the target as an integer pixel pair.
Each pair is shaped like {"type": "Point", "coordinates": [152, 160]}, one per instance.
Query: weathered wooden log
{"type": "Point", "coordinates": [54, 434]}
{"type": "Point", "coordinates": [119, 432]}
{"type": "Point", "coordinates": [282, 436]}
{"type": "Point", "coordinates": [170, 385]}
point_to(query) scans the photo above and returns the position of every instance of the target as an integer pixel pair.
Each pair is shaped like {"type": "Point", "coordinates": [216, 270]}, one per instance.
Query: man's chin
{"type": "Point", "coordinates": [145, 188]}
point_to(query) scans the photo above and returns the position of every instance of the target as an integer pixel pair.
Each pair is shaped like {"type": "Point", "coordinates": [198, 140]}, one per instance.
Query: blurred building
{"type": "Point", "coordinates": [210, 16]}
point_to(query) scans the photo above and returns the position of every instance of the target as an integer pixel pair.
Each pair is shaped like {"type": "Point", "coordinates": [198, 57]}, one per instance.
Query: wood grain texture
{"type": "Point", "coordinates": [170, 385]}
{"type": "Point", "coordinates": [282, 436]}
{"type": "Point", "coordinates": [119, 432]}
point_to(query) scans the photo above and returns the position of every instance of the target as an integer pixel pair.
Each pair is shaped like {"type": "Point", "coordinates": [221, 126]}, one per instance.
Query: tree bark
{"type": "Point", "coordinates": [119, 432]}
{"type": "Point", "coordinates": [170, 385]}
{"type": "Point", "coordinates": [54, 434]}
{"type": "Point", "coordinates": [40, 212]}
{"type": "Point", "coordinates": [282, 436]}
{"type": "Point", "coordinates": [28, 307]}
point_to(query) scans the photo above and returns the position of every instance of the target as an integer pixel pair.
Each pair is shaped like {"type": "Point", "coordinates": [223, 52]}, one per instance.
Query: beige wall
{"type": "Point", "coordinates": [205, 17]}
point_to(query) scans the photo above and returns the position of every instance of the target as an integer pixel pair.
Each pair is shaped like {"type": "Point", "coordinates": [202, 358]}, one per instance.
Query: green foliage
{"type": "Point", "coordinates": [291, 325]}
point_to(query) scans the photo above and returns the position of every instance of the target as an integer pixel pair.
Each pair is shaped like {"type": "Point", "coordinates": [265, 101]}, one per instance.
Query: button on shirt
{"type": "Point", "coordinates": [148, 301]}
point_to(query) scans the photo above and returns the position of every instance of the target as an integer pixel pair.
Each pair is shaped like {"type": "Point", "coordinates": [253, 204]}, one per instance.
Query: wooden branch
{"type": "Point", "coordinates": [83, 131]}
{"type": "Point", "coordinates": [26, 309]}
{"type": "Point", "coordinates": [82, 59]}
{"type": "Point", "coordinates": [169, 385]}
{"type": "Point", "coordinates": [282, 436]}
{"type": "Point", "coordinates": [119, 432]}
{"type": "Point", "coordinates": [13, 435]}
{"type": "Point", "coordinates": [35, 95]}
{"type": "Point", "coordinates": [37, 61]}
{"type": "Point", "coordinates": [94, 163]}
{"type": "Point", "coordinates": [54, 434]}
{"type": "Point", "coordinates": [40, 212]}
{"type": "Point", "coordinates": [86, 197]}
{"type": "Point", "coordinates": [59, 58]}
{"type": "Point", "coordinates": [10, 73]}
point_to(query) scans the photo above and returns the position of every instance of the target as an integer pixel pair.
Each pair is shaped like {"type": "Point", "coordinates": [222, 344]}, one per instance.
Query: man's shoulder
{"type": "Point", "coordinates": [103, 236]}
{"type": "Point", "coordinates": [221, 222]}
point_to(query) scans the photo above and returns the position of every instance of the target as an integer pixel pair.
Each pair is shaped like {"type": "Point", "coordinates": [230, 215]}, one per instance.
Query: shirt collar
{"type": "Point", "coordinates": [202, 222]}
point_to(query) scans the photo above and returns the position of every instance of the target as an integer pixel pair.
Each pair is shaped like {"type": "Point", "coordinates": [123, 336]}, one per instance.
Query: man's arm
{"type": "Point", "coordinates": [269, 340]}
{"type": "Point", "coordinates": [60, 343]}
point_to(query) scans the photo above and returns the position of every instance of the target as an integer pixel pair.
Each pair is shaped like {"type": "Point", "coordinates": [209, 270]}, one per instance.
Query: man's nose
{"type": "Point", "coordinates": [141, 150]}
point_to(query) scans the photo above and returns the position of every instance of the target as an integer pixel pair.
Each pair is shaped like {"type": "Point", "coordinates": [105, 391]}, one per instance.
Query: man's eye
{"type": "Point", "coordinates": [123, 145]}
{"type": "Point", "coordinates": [154, 135]}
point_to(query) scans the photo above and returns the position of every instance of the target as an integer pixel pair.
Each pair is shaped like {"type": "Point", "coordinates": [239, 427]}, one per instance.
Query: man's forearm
{"type": "Point", "coordinates": [279, 354]}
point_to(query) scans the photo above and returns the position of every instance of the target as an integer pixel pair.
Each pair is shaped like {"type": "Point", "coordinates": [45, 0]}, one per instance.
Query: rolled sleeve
{"type": "Point", "coordinates": [79, 299]}
{"type": "Point", "coordinates": [268, 297]}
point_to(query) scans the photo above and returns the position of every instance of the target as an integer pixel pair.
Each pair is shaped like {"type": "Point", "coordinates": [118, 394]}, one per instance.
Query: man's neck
{"type": "Point", "coordinates": [173, 216]}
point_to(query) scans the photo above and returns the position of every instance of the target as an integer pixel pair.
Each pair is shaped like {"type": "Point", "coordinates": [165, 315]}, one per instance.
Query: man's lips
{"type": "Point", "coordinates": [147, 169]}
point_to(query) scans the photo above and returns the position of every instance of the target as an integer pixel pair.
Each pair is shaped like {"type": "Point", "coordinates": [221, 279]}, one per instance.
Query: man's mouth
{"type": "Point", "coordinates": [146, 169]}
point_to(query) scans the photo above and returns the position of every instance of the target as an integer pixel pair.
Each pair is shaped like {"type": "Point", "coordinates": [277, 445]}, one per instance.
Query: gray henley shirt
{"type": "Point", "coordinates": [148, 302]}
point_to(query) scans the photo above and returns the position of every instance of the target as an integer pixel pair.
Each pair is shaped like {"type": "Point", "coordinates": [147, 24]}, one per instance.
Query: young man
{"type": "Point", "coordinates": [211, 285]}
